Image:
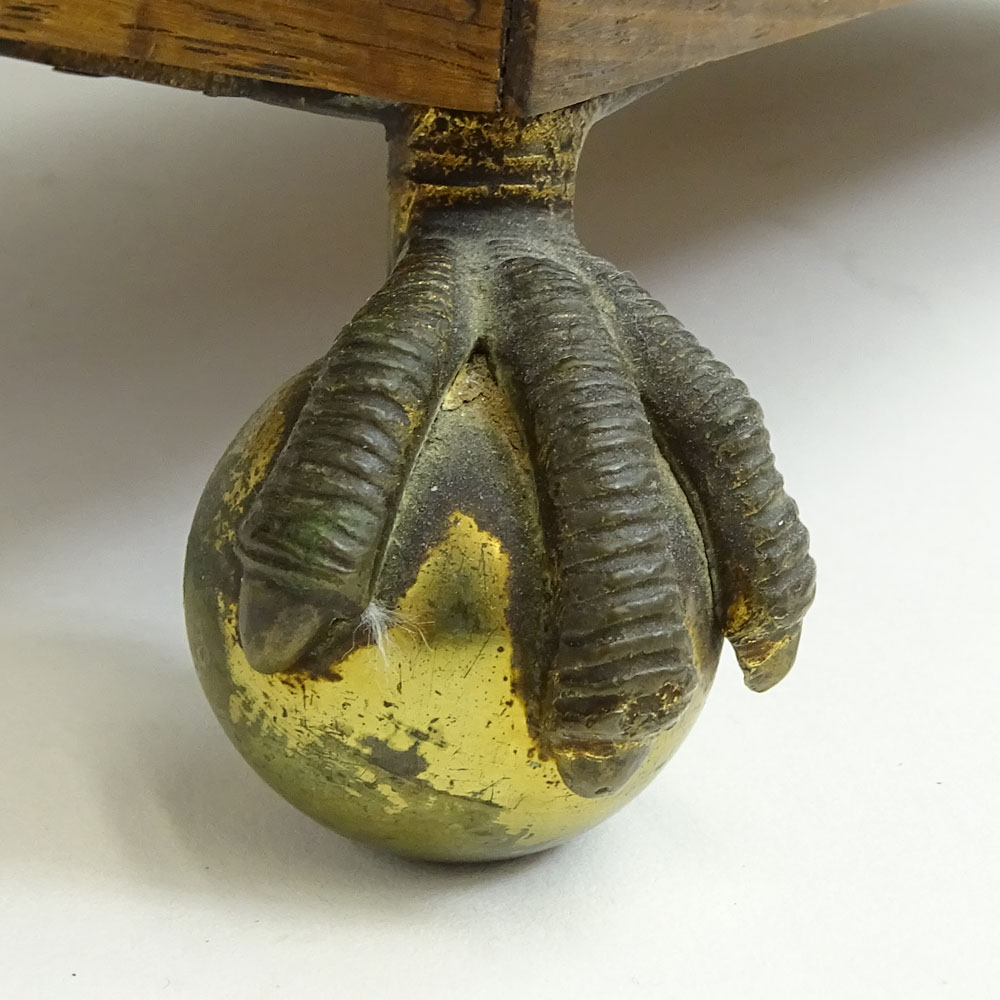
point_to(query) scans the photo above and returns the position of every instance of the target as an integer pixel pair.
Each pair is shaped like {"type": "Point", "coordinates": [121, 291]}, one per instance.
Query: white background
{"type": "Point", "coordinates": [826, 216]}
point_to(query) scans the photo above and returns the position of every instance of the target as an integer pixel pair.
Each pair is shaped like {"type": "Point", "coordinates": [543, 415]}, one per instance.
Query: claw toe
{"type": "Point", "coordinates": [599, 770]}
{"type": "Point", "coordinates": [766, 661]}
{"type": "Point", "coordinates": [276, 626]}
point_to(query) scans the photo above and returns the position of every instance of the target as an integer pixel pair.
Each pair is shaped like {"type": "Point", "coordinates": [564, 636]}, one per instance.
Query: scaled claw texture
{"type": "Point", "coordinates": [605, 385]}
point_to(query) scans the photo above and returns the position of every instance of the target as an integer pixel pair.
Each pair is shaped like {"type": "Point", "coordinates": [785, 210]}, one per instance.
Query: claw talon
{"type": "Point", "coordinates": [276, 626]}
{"type": "Point", "coordinates": [767, 661]}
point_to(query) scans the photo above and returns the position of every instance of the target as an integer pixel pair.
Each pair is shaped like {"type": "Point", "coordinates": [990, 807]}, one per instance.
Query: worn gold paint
{"type": "Point", "coordinates": [256, 455]}
{"type": "Point", "coordinates": [470, 131]}
{"type": "Point", "coordinates": [437, 160]}
{"type": "Point", "coordinates": [766, 651]}
{"type": "Point", "coordinates": [738, 615]}
{"type": "Point", "coordinates": [418, 199]}
{"type": "Point", "coordinates": [446, 700]}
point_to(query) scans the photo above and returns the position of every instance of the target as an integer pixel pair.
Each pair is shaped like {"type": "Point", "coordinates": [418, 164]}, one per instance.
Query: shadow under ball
{"type": "Point", "coordinates": [459, 588]}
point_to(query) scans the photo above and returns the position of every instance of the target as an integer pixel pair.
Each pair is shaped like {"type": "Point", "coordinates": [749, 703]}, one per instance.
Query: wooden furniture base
{"type": "Point", "coordinates": [519, 56]}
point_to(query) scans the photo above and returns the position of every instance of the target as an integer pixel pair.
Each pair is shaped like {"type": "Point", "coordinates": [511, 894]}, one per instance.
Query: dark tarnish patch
{"type": "Point", "coordinates": [402, 763]}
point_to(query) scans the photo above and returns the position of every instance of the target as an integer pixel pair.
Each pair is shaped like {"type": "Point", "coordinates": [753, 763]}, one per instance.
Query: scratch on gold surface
{"type": "Point", "coordinates": [447, 700]}
{"type": "Point", "coordinates": [263, 440]}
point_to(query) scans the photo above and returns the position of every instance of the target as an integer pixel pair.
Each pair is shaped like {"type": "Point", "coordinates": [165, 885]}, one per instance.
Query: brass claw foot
{"type": "Point", "coordinates": [505, 391]}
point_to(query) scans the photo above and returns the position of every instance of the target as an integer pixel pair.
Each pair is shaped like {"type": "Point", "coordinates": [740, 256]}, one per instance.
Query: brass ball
{"type": "Point", "coordinates": [422, 736]}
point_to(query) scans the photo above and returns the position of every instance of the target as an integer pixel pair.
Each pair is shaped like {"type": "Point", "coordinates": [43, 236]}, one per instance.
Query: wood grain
{"type": "Point", "coordinates": [563, 51]}
{"type": "Point", "coordinates": [425, 51]}
{"type": "Point", "coordinates": [521, 56]}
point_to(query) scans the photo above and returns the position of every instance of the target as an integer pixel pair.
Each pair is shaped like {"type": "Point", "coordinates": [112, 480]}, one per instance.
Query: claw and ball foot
{"type": "Point", "coordinates": [459, 588]}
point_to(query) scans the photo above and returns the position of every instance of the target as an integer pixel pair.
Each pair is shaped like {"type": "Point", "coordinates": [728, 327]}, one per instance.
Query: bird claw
{"type": "Point", "coordinates": [605, 386]}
